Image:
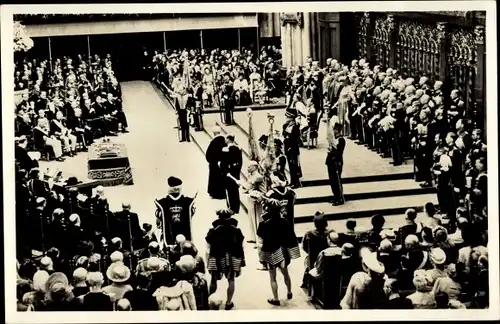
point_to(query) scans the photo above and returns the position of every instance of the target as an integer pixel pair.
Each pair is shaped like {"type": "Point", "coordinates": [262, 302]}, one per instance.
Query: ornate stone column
{"type": "Point", "coordinates": [295, 38]}
{"type": "Point", "coordinates": [479, 90]}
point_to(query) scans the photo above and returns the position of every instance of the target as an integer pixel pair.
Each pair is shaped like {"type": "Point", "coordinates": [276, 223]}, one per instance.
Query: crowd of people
{"type": "Point", "coordinates": [222, 78]}
{"type": "Point", "coordinates": [75, 254]}
{"type": "Point", "coordinates": [64, 105]}
{"type": "Point", "coordinates": [438, 261]}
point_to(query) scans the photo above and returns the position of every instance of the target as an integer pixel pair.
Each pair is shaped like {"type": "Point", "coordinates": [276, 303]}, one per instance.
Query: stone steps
{"type": "Point", "coordinates": [379, 189]}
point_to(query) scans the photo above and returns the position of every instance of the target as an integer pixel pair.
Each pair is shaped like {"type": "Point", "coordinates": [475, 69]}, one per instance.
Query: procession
{"type": "Point", "coordinates": [363, 181]}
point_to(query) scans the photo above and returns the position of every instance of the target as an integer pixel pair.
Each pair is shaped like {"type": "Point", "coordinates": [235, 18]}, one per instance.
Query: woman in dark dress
{"type": "Point", "coordinates": [278, 246]}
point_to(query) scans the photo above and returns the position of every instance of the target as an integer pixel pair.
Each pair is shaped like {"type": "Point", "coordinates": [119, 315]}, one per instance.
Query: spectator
{"type": "Point", "coordinates": [58, 295]}
{"type": "Point", "coordinates": [80, 285]}
{"type": "Point", "coordinates": [187, 267]}
{"type": "Point", "coordinates": [123, 305]}
{"type": "Point", "coordinates": [140, 298]}
{"type": "Point", "coordinates": [314, 242]}
{"type": "Point", "coordinates": [333, 249]}
{"type": "Point", "coordinates": [429, 220]}
{"type": "Point", "coordinates": [410, 226]}
{"type": "Point", "coordinates": [423, 298]}
{"type": "Point", "coordinates": [448, 283]}
{"type": "Point", "coordinates": [174, 295]}
{"type": "Point", "coordinates": [395, 300]}
{"type": "Point", "coordinates": [96, 299]}
{"type": "Point", "coordinates": [365, 289]}
{"type": "Point", "coordinates": [119, 274]}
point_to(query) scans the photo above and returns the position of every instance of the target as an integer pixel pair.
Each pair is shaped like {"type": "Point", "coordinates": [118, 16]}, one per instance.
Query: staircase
{"type": "Point", "coordinates": [371, 184]}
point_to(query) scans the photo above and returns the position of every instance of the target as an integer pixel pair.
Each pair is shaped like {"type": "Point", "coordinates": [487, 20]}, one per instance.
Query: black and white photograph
{"type": "Point", "coordinates": [236, 158]}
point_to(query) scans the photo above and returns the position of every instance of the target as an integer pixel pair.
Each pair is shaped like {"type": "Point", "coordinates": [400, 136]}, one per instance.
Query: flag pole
{"type": "Point", "coordinates": [50, 53]}
{"type": "Point", "coordinates": [88, 46]}
{"type": "Point", "coordinates": [201, 39]}
{"type": "Point", "coordinates": [164, 42]}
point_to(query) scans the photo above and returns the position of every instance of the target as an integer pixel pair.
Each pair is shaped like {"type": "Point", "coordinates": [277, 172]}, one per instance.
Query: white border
{"type": "Point", "coordinates": [241, 315]}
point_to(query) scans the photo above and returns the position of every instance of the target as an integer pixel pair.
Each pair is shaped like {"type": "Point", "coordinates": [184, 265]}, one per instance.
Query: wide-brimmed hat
{"type": "Point", "coordinates": [372, 263]}
{"type": "Point", "coordinates": [186, 264]}
{"type": "Point", "coordinates": [56, 282]}
{"type": "Point", "coordinates": [118, 272]}
{"type": "Point", "coordinates": [438, 256]}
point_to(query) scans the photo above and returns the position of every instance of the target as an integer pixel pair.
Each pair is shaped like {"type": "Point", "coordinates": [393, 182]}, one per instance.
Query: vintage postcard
{"type": "Point", "coordinates": [250, 161]}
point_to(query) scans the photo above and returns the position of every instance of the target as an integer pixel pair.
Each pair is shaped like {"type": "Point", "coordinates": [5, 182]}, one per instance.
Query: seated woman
{"type": "Point", "coordinates": [241, 90]}
{"type": "Point", "coordinates": [260, 91]}
{"type": "Point", "coordinates": [43, 139]}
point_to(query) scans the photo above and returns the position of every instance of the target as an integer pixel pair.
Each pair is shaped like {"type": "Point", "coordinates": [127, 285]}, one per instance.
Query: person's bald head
{"type": "Point", "coordinates": [333, 238]}
{"type": "Point", "coordinates": [125, 205]}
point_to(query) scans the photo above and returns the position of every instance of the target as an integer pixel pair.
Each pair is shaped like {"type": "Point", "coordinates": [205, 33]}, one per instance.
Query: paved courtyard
{"type": "Point", "coordinates": [155, 154]}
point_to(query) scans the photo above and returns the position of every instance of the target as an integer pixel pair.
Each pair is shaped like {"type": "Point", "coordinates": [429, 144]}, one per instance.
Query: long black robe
{"type": "Point", "coordinates": [214, 155]}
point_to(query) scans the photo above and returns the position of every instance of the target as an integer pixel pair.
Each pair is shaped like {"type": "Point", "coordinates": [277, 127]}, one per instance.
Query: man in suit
{"type": "Point", "coordinates": [334, 163]}
{"type": "Point", "coordinates": [22, 158]}
{"type": "Point", "coordinates": [113, 108]}
{"type": "Point", "coordinates": [125, 225]}
{"type": "Point", "coordinates": [80, 129]}
{"type": "Point", "coordinates": [227, 101]}
{"type": "Point", "coordinates": [231, 164]}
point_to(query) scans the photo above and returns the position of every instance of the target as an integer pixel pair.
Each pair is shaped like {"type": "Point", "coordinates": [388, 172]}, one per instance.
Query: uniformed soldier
{"type": "Point", "coordinates": [424, 149]}
{"type": "Point", "coordinates": [291, 143]}
{"type": "Point", "coordinates": [334, 162]}
{"type": "Point", "coordinates": [227, 100]}
{"type": "Point", "coordinates": [478, 196]}
{"type": "Point", "coordinates": [457, 107]}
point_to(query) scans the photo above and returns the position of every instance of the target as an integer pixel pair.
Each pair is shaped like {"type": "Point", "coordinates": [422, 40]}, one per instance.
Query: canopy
{"type": "Point", "coordinates": [243, 20]}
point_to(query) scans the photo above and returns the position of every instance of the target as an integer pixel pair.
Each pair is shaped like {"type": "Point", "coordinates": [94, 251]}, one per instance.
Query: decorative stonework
{"type": "Point", "coordinates": [294, 18]}
{"type": "Point", "coordinates": [479, 31]}
{"type": "Point", "coordinates": [440, 31]}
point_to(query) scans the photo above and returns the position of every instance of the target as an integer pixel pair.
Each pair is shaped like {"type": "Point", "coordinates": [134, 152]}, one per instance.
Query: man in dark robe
{"type": "Point", "coordinates": [216, 189]}
{"type": "Point", "coordinates": [174, 212]}
{"type": "Point", "coordinates": [231, 164]}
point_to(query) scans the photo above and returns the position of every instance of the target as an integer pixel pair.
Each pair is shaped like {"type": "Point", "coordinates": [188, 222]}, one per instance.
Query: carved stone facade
{"type": "Point", "coordinates": [418, 45]}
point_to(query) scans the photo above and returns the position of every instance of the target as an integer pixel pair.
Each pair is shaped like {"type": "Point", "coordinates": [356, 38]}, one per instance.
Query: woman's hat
{"type": "Point", "coordinates": [80, 274]}
{"type": "Point", "coordinates": [39, 280]}
{"type": "Point", "coordinates": [438, 256]}
{"type": "Point", "coordinates": [347, 250]}
{"type": "Point", "coordinates": [56, 282]}
{"type": "Point", "coordinates": [186, 264]}
{"type": "Point", "coordinates": [118, 272]}
{"type": "Point", "coordinates": [372, 263]}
